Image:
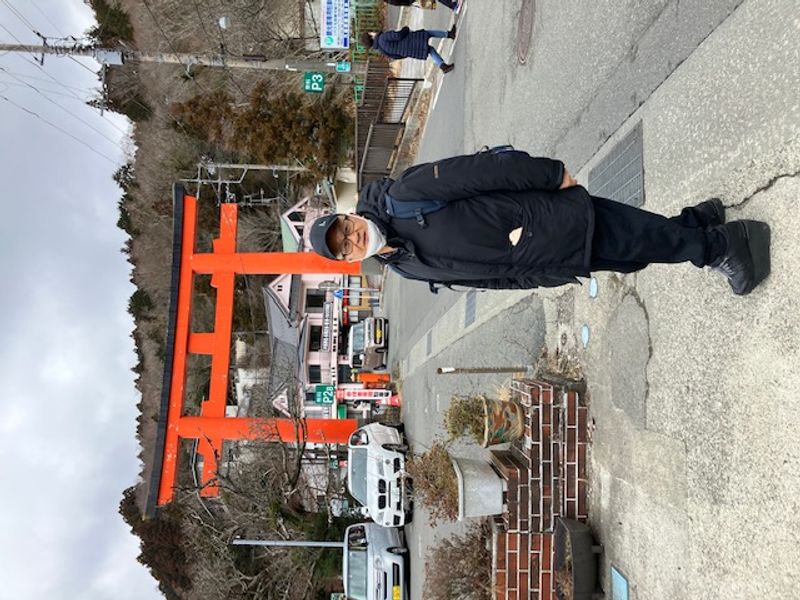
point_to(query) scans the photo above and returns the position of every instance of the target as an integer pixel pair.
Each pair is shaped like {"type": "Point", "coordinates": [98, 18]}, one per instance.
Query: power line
{"type": "Point", "coordinates": [169, 42]}
{"type": "Point", "coordinates": [64, 131]}
{"type": "Point", "coordinates": [44, 14]}
{"type": "Point", "coordinates": [39, 66]}
{"type": "Point", "coordinates": [77, 62]}
{"type": "Point", "coordinates": [222, 45]}
{"type": "Point", "coordinates": [43, 80]}
{"type": "Point", "coordinates": [11, 33]}
{"type": "Point", "coordinates": [21, 17]}
{"type": "Point", "coordinates": [66, 110]}
{"type": "Point", "coordinates": [45, 90]}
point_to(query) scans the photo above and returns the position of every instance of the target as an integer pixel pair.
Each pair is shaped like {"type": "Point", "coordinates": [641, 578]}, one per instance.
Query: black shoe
{"type": "Point", "coordinates": [746, 261]}
{"type": "Point", "coordinates": [712, 211]}
{"type": "Point", "coordinates": [452, 33]}
{"type": "Point", "coordinates": [446, 68]}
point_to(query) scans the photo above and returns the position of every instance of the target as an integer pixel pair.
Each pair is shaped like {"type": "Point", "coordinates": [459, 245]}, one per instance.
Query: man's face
{"type": "Point", "coordinates": [347, 238]}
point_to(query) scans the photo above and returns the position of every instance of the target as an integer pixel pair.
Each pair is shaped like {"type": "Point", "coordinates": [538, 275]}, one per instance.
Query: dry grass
{"type": "Point", "coordinates": [435, 482]}
{"type": "Point", "coordinates": [461, 566]}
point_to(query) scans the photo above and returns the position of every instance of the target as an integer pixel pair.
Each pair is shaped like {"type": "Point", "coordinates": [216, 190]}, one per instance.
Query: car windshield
{"type": "Point", "coordinates": [358, 474]}
{"type": "Point", "coordinates": [357, 574]}
{"type": "Point", "coordinates": [357, 338]}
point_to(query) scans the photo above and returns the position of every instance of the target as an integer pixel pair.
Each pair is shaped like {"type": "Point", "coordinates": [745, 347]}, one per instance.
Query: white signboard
{"type": "Point", "coordinates": [335, 26]}
{"type": "Point", "coordinates": [327, 325]}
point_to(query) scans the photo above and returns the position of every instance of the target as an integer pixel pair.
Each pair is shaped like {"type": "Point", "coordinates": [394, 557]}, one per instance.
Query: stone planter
{"type": "Point", "coordinates": [480, 488]}
{"type": "Point", "coordinates": [503, 421]}
{"type": "Point", "coordinates": [574, 546]}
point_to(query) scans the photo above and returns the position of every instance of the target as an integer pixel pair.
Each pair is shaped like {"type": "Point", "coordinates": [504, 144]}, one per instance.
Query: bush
{"type": "Point", "coordinates": [113, 23]}
{"type": "Point", "coordinates": [465, 416]}
{"type": "Point", "coordinates": [275, 127]}
{"type": "Point", "coordinates": [435, 482]}
{"type": "Point", "coordinates": [140, 304]}
{"type": "Point", "coordinates": [461, 566]}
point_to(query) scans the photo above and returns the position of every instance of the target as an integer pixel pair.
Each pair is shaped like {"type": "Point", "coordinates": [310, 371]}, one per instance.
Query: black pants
{"type": "Point", "coordinates": [627, 239]}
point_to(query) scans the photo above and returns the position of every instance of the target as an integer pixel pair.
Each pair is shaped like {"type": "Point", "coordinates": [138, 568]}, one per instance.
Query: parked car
{"type": "Point", "coordinates": [376, 473]}
{"type": "Point", "coordinates": [368, 344]}
{"type": "Point", "coordinates": [374, 563]}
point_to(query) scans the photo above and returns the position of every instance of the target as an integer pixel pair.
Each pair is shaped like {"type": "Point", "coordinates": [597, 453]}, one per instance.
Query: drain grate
{"type": "Point", "coordinates": [429, 343]}
{"type": "Point", "coordinates": [620, 175]}
{"type": "Point", "coordinates": [470, 308]}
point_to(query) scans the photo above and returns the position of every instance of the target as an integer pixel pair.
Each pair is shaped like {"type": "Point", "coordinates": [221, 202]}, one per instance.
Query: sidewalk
{"type": "Point", "coordinates": [415, 18]}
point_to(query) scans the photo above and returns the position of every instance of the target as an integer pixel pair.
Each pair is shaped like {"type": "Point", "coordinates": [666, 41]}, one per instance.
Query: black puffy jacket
{"type": "Point", "coordinates": [488, 196]}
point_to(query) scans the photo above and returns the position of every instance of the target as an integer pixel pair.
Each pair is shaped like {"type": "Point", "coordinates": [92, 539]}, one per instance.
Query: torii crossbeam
{"type": "Point", "coordinates": [212, 427]}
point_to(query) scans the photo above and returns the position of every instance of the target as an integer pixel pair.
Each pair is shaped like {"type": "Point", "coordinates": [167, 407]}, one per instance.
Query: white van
{"type": "Point", "coordinates": [376, 465]}
{"type": "Point", "coordinates": [368, 342]}
{"type": "Point", "coordinates": [374, 565]}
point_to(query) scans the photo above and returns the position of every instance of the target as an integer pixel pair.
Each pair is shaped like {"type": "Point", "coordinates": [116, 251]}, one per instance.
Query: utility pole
{"type": "Point", "coordinates": [214, 168]}
{"type": "Point", "coordinates": [288, 543]}
{"type": "Point", "coordinates": [119, 56]}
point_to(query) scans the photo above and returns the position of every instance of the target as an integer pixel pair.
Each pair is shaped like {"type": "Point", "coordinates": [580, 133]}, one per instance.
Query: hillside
{"type": "Point", "coordinates": [181, 117]}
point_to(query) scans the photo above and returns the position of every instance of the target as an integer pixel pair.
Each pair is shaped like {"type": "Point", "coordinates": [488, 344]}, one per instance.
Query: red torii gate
{"type": "Point", "coordinates": [212, 427]}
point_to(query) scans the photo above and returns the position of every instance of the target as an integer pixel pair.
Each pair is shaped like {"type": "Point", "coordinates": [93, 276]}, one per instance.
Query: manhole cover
{"type": "Point", "coordinates": [525, 30]}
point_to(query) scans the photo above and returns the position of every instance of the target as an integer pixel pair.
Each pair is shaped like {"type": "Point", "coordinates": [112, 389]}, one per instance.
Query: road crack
{"type": "Point", "coordinates": [763, 188]}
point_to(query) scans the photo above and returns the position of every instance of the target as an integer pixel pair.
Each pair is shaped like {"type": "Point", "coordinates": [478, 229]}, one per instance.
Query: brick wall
{"type": "Point", "coordinates": [546, 476]}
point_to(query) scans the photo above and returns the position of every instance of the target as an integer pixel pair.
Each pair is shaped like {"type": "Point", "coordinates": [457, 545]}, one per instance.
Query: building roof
{"type": "Point", "coordinates": [287, 337]}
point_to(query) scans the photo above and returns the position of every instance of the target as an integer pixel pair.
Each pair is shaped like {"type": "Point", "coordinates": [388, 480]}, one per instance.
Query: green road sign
{"type": "Point", "coordinates": [324, 394]}
{"type": "Point", "coordinates": [343, 66]}
{"type": "Point", "coordinates": [313, 82]}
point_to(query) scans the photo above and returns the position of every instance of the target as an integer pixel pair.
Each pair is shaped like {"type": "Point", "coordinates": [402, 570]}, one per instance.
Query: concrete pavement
{"type": "Point", "coordinates": [695, 464]}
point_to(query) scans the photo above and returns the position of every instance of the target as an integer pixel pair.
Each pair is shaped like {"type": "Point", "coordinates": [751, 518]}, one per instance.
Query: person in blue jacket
{"type": "Point", "coordinates": [409, 44]}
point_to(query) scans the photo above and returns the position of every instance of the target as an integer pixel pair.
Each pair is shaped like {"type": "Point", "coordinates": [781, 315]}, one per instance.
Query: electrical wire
{"type": "Point", "coordinates": [21, 17]}
{"type": "Point", "coordinates": [44, 14]}
{"type": "Point", "coordinates": [26, 22]}
{"type": "Point", "coordinates": [222, 45]}
{"type": "Point", "coordinates": [53, 125]}
{"type": "Point", "coordinates": [44, 90]}
{"type": "Point", "coordinates": [43, 80]}
{"type": "Point", "coordinates": [66, 110]}
{"type": "Point", "coordinates": [169, 42]}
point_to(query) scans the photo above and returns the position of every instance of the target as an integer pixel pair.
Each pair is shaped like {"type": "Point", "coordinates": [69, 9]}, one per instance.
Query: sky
{"type": "Point", "coordinates": [68, 408]}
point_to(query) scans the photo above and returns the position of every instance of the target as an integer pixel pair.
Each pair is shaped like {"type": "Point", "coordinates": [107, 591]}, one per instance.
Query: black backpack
{"type": "Point", "coordinates": [417, 209]}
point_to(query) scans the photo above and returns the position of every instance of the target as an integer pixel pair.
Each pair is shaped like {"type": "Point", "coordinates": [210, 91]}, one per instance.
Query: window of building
{"type": "Point", "coordinates": [315, 299]}
{"type": "Point", "coordinates": [314, 374]}
{"type": "Point", "coordinates": [343, 374]}
{"type": "Point", "coordinates": [315, 338]}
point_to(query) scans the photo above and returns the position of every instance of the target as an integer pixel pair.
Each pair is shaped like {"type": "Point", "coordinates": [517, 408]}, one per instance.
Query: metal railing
{"type": "Point", "coordinates": [381, 122]}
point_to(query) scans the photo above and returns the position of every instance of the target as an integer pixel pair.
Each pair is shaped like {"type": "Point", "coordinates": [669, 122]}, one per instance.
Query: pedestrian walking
{"type": "Point", "coordinates": [409, 44]}
{"type": "Point", "coordinates": [506, 220]}
{"type": "Point", "coordinates": [454, 5]}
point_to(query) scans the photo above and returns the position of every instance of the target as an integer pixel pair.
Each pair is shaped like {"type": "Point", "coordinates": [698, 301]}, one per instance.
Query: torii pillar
{"type": "Point", "coordinates": [212, 427]}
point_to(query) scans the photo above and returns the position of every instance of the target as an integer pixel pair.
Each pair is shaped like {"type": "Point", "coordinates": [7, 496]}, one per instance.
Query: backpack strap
{"type": "Point", "coordinates": [497, 149]}
{"type": "Point", "coordinates": [416, 209]}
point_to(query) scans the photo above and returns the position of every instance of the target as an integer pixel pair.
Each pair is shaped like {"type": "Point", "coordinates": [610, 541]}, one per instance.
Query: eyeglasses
{"type": "Point", "coordinates": [347, 227]}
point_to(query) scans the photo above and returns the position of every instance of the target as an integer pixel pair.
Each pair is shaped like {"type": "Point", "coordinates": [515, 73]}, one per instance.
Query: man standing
{"type": "Point", "coordinates": [506, 220]}
{"type": "Point", "coordinates": [409, 44]}
{"type": "Point", "coordinates": [454, 5]}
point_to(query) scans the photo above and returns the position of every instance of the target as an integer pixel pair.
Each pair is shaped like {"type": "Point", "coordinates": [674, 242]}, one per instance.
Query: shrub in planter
{"type": "Point", "coordinates": [454, 488]}
{"type": "Point", "coordinates": [465, 416]}
{"type": "Point", "coordinates": [435, 482]}
{"type": "Point", "coordinates": [460, 566]}
{"type": "Point", "coordinates": [487, 420]}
